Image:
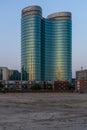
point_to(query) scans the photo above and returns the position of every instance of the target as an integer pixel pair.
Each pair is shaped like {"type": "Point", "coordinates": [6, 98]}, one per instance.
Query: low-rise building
{"type": "Point", "coordinates": [4, 73]}
{"type": "Point", "coordinates": [81, 75]}
{"type": "Point", "coordinates": [7, 75]}
{"type": "Point", "coordinates": [81, 85]}
{"type": "Point", "coordinates": [81, 81]}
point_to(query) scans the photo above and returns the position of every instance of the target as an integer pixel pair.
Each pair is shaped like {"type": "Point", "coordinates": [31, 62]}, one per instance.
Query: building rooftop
{"type": "Point", "coordinates": [60, 15]}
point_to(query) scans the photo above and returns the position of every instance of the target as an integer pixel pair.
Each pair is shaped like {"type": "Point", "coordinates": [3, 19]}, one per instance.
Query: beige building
{"type": "Point", "coordinates": [4, 75]}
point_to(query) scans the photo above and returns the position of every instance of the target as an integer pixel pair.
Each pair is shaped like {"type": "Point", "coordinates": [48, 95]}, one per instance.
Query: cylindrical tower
{"type": "Point", "coordinates": [58, 46]}
{"type": "Point", "coordinates": [31, 43]}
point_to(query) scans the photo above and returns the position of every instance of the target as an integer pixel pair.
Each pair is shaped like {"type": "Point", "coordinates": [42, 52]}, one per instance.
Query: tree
{"type": "Point", "coordinates": [36, 87]}
{"type": "Point", "coordinates": [1, 86]}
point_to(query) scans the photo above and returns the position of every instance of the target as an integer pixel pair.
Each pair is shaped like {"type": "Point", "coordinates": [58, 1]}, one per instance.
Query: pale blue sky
{"type": "Point", "coordinates": [10, 29]}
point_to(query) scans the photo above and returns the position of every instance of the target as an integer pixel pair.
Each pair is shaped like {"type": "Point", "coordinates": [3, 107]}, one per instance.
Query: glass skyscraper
{"type": "Point", "coordinates": [46, 45]}
{"type": "Point", "coordinates": [31, 43]}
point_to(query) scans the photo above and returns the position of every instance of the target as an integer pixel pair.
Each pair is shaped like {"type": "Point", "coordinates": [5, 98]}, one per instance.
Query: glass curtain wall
{"type": "Point", "coordinates": [46, 45]}
{"type": "Point", "coordinates": [31, 43]}
{"type": "Point", "coordinates": [58, 49]}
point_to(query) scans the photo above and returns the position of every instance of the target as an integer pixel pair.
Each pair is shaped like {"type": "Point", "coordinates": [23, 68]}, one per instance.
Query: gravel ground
{"type": "Point", "coordinates": [43, 111]}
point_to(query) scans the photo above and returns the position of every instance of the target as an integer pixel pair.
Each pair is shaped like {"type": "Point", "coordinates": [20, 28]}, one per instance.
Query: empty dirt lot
{"type": "Point", "coordinates": [43, 111]}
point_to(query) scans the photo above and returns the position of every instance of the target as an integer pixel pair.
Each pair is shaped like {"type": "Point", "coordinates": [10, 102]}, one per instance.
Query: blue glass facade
{"type": "Point", "coordinates": [46, 45]}
{"type": "Point", "coordinates": [43, 49]}
{"type": "Point", "coordinates": [31, 45]}
{"type": "Point", "coordinates": [58, 50]}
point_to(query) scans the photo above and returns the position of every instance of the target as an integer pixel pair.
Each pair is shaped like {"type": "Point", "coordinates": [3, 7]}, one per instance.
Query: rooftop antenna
{"type": "Point", "coordinates": [81, 67]}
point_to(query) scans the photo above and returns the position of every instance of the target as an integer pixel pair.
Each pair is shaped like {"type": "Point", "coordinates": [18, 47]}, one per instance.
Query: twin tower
{"type": "Point", "coordinates": [46, 45]}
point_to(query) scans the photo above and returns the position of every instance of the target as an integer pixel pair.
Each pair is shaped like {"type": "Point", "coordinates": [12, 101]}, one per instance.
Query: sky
{"type": "Point", "coordinates": [10, 29]}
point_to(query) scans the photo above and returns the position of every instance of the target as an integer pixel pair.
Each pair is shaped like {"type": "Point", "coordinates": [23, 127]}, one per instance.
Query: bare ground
{"type": "Point", "coordinates": [43, 111]}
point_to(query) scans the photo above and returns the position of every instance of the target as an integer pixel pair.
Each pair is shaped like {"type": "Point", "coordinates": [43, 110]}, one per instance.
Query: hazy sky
{"type": "Point", "coordinates": [10, 29]}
